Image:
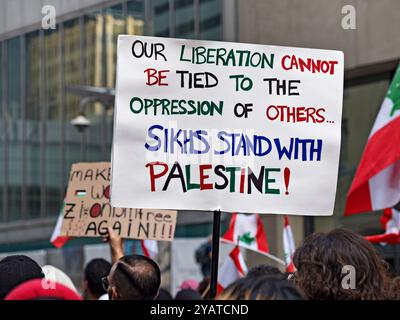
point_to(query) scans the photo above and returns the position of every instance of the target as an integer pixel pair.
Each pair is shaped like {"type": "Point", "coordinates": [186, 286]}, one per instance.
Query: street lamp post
{"type": "Point", "coordinates": [309, 225]}
{"type": "Point", "coordinates": [105, 97]}
{"type": "Point", "coordinates": [81, 123]}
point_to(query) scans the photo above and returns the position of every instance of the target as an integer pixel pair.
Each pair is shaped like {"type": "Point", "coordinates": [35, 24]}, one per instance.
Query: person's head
{"type": "Point", "coordinates": [261, 288]}
{"type": "Point", "coordinates": [164, 294]}
{"type": "Point", "coordinates": [266, 270]}
{"type": "Point", "coordinates": [188, 294]}
{"type": "Point", "coordinates": [95, 270]}
{"type": "Point", "coordinates": [134, 277]}
{"type": "Point", "coordinates": [57, 276]}
{"type": "Point", "coordinates": [324, 259]}
{"type": "Point", "coordinates": [15, 270]}
{"type": "Point", "coordinates": [35, 290]}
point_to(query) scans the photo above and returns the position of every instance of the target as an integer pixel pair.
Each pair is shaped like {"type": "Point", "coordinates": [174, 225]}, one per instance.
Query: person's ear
{"type": "Point", "coordinates": [85, 286]}
{"type": "Point", "coordinates": [85, 289]}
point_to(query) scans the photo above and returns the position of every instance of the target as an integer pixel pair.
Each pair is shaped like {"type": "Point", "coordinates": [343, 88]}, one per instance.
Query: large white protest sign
{"type": "Point", "coordinates": [216, 125]}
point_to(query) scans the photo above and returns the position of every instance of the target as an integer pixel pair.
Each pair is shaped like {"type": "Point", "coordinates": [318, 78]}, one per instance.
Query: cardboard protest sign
{"type": "Point", "coordinates": [88, 213]}
{"type": "Point", "coordinates": [216, 125]}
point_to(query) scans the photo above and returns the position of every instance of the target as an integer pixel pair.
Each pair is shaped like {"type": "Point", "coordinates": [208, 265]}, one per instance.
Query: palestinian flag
{"type": "Point", "coordinates": [247, 231]}
{"type": "Point", "coordinates": [288, 245]}
{"type": "Point", "coordinates": [390, 221]}
{"type": "Point", "coordinates": [233, 269]}
{"type": "Point", "coordinates": [376, 184]}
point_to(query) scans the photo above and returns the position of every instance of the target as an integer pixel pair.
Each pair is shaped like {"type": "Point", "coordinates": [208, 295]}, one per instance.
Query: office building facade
{"type": "Point", "coordinates": [38, 66]}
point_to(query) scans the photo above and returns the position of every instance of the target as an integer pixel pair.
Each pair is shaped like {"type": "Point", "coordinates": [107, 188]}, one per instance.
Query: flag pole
{"type": "Point", "coordinates": [215, 253]}
{"type": "Point", "coordinates": [268, 255]}
{"type": "Point", "coordinates": [272, 257]}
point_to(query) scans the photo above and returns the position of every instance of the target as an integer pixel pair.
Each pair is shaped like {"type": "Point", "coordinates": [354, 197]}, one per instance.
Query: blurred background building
{"type": "Point", "coordinates": [38, 144]}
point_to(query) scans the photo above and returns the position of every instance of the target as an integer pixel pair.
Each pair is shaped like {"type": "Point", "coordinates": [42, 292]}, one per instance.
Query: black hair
{"type": "Point", "coordinates": [266, 270]}
{"type": "Point", "coordinates": [188, 294]}
{"type": "Point", "coordinates": [94, 271]}
{"type": "Point", "coordinates": [164, 294]}
{"type": "Point", "coordinates": [16, 269]}
{"type": "Point", "coordinates": [261, 288]}
{"type": "Point", "coordinates": [136, 277]}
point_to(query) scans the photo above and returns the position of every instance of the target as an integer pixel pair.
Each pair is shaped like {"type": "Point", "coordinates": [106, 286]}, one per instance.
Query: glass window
{"type": "Point", "coordinates": [95, 71]}
{"type": "Point", "coordinates": [14, 115]}
{"type": "Point", "coordinates": [210, 19]}
{"type": "Point", "coordinates": [72, 76]}
{"type": "Point", "coordinates": [94, 143]}
{"type": "Point", "coordinates": [32, 123]}
{"type": "Point", "coordinates": [135, 17]}
{"type": "Point", "coordinates": [89, 51]}
{"type": "Point", "coordinates": [115, 25]}
{"type": "Point", "coordinates": [184, 19]}
{"type": "Point", "coordinates": [1, 135]}
{"type": "Point", "coordinates": [96, 65]}
{"type": "Point", "coordinates": [72, 69]}
{"type": "Point", "coordinates": [161, 18]}
{"type": "Point", "coordinates": [53, 122]}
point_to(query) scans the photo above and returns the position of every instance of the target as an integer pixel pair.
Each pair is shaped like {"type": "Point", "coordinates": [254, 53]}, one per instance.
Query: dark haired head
{"type": "Point", "coordinates": [164, 294]}
{"type": "Point", "coordinates": [15, 270]}
{"type": "Point", "coordinates": [261, 288]}
{"type": "Point", "coordinates": [321, 259]}
{"type": "Point", "coordinates": [188, 294]}
{"type": "Point", "coordinates": [134, 277]}
{"type": "Point", "coordinates": [95, 270]}
{"type": "Point", "coordinates": [266, 270]}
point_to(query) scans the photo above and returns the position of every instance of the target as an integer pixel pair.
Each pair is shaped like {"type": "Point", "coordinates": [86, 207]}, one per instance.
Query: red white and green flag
{"type": "Point", "coordinates": [56, 239]}
{"type": "Point", "coordinates": [390, 221]}
{"type": "Point", "coordinates": [233, 269]}
{"type": "Point", "coordinates": [149, 248]}
{"type": "Point", "coordinates": [247, 231]}
{"type": "Point", "coordinates": [288, 245]}
{"type": "Point", "coordinates": [376, 184]}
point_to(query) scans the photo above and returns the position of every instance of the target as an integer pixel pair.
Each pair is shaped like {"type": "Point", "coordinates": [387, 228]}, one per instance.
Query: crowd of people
{"type": "Point", "coordinates": [319, 264]}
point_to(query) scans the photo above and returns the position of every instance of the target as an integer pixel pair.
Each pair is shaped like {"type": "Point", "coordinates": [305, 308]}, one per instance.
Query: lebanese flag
{"type": "Point", "coordinates": [376, 184]}
{"type": "Point", "coordinates": [149, 248]}
{"type": "Point", "coordinates": [233, 269]}
{"type": "Point", "coordinates": [288, 245]}
{"type": "Point", "coordinates": [247, 231]}
{"type": "Point", "coordinates": [390, 221]}
{"type": "Point", "coordinates": [56, 239]}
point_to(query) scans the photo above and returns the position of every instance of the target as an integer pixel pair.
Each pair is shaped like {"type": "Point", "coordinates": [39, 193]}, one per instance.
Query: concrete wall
{"type": "Point", "coordinates": [318, 24]}
{"type": "Point", "coordinates": [17, 14]}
